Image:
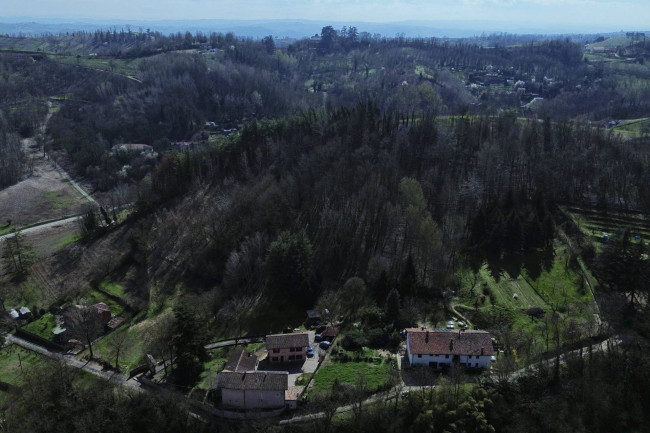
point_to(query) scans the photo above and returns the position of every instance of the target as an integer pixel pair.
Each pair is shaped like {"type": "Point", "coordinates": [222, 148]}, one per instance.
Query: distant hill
{"type": "Point", "coordinates": [293, 29]}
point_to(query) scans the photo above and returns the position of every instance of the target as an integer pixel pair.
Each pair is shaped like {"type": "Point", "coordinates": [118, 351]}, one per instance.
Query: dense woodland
{"type": "Point", "coordinates": [362, 169]}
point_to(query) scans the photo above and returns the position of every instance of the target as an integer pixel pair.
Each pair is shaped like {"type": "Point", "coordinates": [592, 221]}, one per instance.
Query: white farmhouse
{"type": "Point", "coordinates": [443, 348]}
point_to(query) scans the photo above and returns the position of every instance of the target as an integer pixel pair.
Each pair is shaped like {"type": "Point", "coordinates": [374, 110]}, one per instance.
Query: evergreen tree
{"type": "Point", "coordinates": [392, 306]}
{"type": "Point", "coordinates": [408, 278]}
{"type": "Point", "coordinates": [188, 341]}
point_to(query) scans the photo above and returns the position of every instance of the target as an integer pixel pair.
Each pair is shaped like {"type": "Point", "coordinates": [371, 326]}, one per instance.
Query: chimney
{"type": "Point", "coordinates": [459, 334]}
{"type": "Point", "coordinates": [426, 338]}
{"type": "Point", "coordinates": [482, 350]}
{"type": "Point", "coordinates": [451, 345]}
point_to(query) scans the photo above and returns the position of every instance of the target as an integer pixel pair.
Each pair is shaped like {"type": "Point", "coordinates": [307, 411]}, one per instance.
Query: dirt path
{"type": "Point", "coordinates": [69, 360]}
{"type": "Point", "coordinates": [45, 226]}
{"type": "Point", "coordinates": [45, 194]}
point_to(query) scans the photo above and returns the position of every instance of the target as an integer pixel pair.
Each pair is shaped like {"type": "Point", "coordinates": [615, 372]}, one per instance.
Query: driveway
{"type": "Point", "coordinates": [295, 369]}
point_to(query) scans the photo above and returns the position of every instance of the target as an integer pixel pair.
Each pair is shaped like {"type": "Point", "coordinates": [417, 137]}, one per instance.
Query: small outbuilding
{"type": "Point", "coordinates": [250, 391]}
{"type": "Point", "coordinates": [313, 318]}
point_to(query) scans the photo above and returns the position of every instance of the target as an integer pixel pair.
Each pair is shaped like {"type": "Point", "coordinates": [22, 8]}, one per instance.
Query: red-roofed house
{"type": "Point", "coordinates": [442, 348]}
{"type": "Point", "coordinates": [287, 347]}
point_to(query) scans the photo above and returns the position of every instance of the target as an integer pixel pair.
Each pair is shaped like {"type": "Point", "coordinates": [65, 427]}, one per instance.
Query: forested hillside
{"type": "Point", "coordinates": [389, 182]}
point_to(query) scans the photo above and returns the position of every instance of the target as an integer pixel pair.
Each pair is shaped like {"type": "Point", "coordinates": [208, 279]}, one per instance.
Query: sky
{"type": "Point", "coordinates": [596, 15]}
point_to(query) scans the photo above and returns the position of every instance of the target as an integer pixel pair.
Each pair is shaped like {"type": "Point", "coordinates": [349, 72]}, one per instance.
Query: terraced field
{"type": "Point", "coordinates": [599, 224]}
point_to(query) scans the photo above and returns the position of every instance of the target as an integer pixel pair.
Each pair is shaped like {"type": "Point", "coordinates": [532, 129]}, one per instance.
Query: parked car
{"type": "Point", "coordinates": [310, 352]}
{"type": "Point", "coordinates": [493, 358]}
{"type": "Point", "coordinates": [318, 337]}
{"type": "Point", "coordinates": [320, 328]}
{"type": "Point", "coordinates": [325, 345]}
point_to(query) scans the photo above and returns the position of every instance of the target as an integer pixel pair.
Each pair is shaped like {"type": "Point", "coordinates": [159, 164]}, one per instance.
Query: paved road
{"type": "Point", "coordinates": [69, 360]}
{"type": "Point", "coordinates": [233, 342]}
{"type": "Point", "coordinates": [611, 342]}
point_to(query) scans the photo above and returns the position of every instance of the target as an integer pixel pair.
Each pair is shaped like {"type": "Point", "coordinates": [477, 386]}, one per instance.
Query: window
{"type": "Point", "coordinates": [476, 365]}
{"type": "Point", "coordinates": [447, 356]}
{"type": "Point", "coordinates": [292, 349]}
{"type": "Point", "coordinates": [276, 350]}
{"type": "Point", "coordinates": [298, 357]}
{"type": "Point", "coordinates": [274, 359]}
{"type": "Point", "coordinates": [420, 356]}
{"type": "Point", "coordinates": [291, 357]}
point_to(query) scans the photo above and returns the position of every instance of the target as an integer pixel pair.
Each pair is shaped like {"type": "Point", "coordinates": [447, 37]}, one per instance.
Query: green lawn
{"type": "Point", "coordinates": [114, 289]}
{"type": "Point", "coordinates": [96, 296]}
{"type": "Point", "coordinates": [211, 368]}
{"type": "Point", "coordinates": [132, 351]}
{"type": "Point", "coordinates": [11, 358]}
{"type": "Point", "coordinates": [374, 374]}
{"type": "Point", "coordinates": [43, 326]}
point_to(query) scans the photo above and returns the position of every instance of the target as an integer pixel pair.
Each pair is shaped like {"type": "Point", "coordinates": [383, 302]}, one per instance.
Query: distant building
{"type": "Point", "coordinates": [133, 147]}
{"type": "Point", "coordinates": [250, 391]}
{"type": "Point", "coordinates": [287, 347]}
{"type": "Point", "coordinates": [444, 348]}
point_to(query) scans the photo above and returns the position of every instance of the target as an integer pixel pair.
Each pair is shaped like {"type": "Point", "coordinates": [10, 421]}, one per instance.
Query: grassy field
{"type": "Point", "coordinates": [131, 354]}
{"type": "Point", "coordinates": [634, 127]}
{"type": "Point", "coordinates": [43, 326]}
{"type": "Point", "coordinates": [492, 301]}
{"type": "Point", "coordinates": [375, 375]}
{"type": "Point", "coordinates": [11, 358]}
{"type": "Point", "coordinates": [211, 368]}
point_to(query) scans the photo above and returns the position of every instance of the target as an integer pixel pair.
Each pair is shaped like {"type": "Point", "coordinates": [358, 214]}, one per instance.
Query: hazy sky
{"type": "Point", "coordinates": [601, 15]}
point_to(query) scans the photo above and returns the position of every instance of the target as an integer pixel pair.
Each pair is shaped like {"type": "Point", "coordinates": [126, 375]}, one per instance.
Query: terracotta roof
{"type": "Point", "coordinates": [281, 341]}
{"type": "Point", "coordinates": [443, 342]}
{"type": "Point", "coordinates": [254, 380]}
{"type": "Point", "coordinates": [100, 306]}
{"type": "Point", "coordinates": [241, 361]}
{"type": "Point", "coordinates": [330, 332]}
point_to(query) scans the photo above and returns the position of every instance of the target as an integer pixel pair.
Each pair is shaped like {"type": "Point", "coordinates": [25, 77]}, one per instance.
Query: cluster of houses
{"type": "Point", "coordinates": [241, 386]}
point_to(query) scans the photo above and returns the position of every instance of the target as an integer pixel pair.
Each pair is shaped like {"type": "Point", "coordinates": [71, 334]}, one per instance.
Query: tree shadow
{"type": "Point", "coordinates": [494, 265]}
{"type": "Point", "coordinates": [512, 263]}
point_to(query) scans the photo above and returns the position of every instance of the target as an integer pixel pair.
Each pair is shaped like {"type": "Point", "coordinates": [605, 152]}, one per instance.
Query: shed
{"type": "Point", "coordinates": [24, 312]}
{"type": "Point", "coordinates": [313, 318]}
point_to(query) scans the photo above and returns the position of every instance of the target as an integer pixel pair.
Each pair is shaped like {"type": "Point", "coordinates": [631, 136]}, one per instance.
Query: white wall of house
{"type": "Point", "coordinates": [439, 360]}
{"type": "Point", "coordinates": [252, 399]}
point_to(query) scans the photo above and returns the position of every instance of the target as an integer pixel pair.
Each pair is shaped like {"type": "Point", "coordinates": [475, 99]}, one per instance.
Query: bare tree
{"type": "Point", "coordinates": [117, 343]}
{"type": "Point", "coordinates": [83, 324]}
